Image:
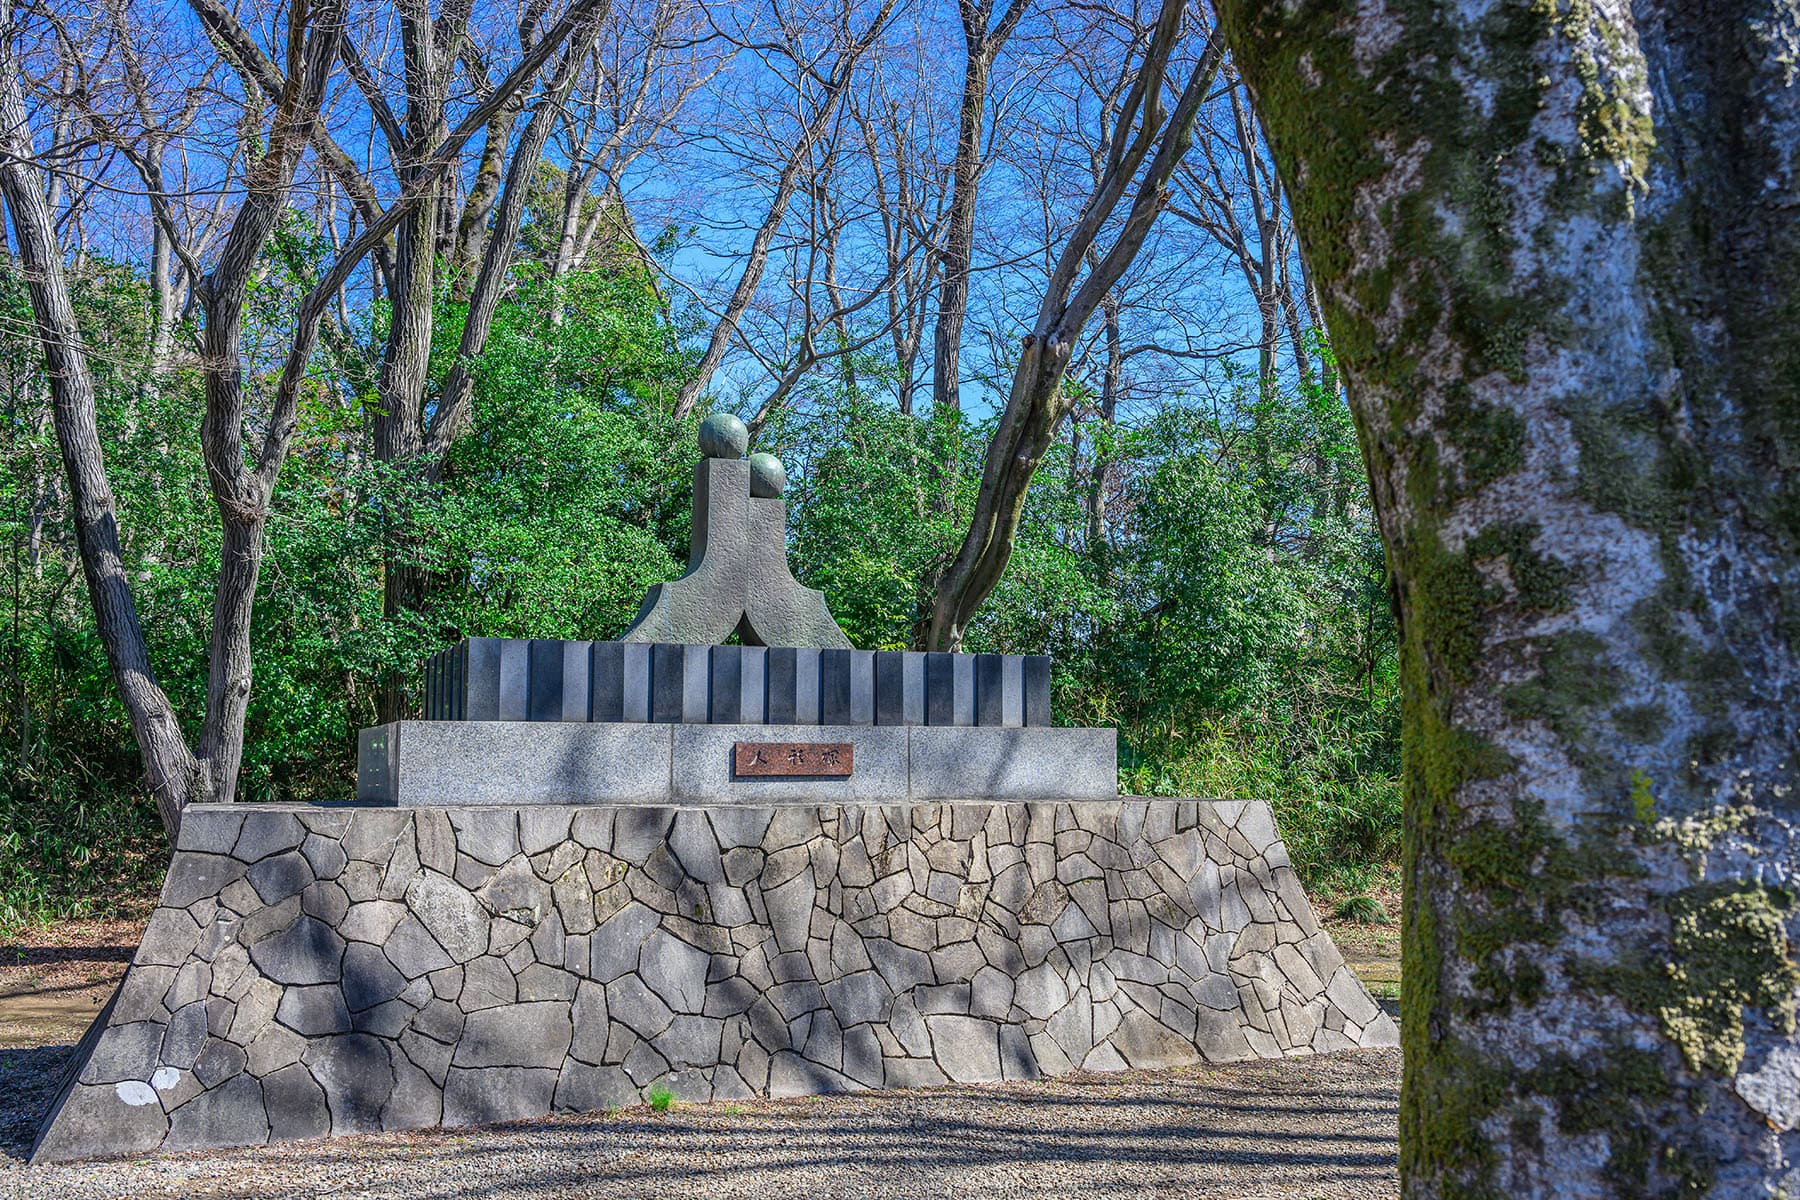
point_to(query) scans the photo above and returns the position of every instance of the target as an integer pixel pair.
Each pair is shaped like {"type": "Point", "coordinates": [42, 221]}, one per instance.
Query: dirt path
{"type": "Point", "coordinates": [1296, 1128]}
{"type": "Point", "coordinates": [53, 983]}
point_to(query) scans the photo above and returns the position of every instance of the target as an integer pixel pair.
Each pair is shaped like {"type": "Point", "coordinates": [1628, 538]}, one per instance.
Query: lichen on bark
{"type": "Point", "coordinates": [1731, 955]}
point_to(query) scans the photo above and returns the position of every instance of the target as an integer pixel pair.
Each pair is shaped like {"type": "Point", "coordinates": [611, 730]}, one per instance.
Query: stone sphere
{"type": "Point", "coordinates": [768, 478]}
{"type": "Point", "coordinates": [723, 436]}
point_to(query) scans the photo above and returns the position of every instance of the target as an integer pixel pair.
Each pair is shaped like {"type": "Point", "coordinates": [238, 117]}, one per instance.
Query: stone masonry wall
{"type": "Point", "coordinates": [328, 970]}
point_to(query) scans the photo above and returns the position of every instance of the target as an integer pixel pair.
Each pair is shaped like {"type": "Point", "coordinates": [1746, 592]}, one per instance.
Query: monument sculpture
{"type": "Point", "coordinates": [777, 867]}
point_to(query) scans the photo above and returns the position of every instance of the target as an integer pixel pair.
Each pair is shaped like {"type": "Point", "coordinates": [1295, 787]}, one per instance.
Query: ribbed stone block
{"type": "Point", "coordinates": [501, 679]}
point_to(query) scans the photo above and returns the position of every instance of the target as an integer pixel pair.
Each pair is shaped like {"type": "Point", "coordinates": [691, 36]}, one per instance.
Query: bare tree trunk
{"type": "Point", "coordinates": [176, 775]}
{"type": "Point", "coordinates": [243, 495]}
{"type": "Point", "coordinates": [242, 476]}
{"type": "Point", "coordinates": [904, 215]}
{"type": "Point", "coordinates": [1112, 379]}
{"type": "Point", "coordinates": [758, 258]}
{"type": "Point", "coordinates": [472, 228]}
{"type": "Point", "coordinates": [981, 46]}
{"type": "Point", "coordinates": [255, 68]}
{"type": "Point", "coordinates": [430, 51]}
{"type": "Point", "coordinates": [1559, 252]}
{"type": "Point", "coordinates": [171, 773]}
{"type": "Point", "coordinates": [401, 432]}
{"type": "Point", "coordinates": [452, 414]}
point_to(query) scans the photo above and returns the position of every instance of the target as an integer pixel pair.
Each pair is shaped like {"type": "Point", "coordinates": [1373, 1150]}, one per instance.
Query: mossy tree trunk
{"type": "Point", "coordinates": [1556, 243]}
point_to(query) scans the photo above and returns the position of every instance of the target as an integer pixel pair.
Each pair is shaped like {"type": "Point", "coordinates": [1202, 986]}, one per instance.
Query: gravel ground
{"type": "Point", "coordinates": [1308, 1127]}
{"type": "Point", "coordinates": [1311, 1128]}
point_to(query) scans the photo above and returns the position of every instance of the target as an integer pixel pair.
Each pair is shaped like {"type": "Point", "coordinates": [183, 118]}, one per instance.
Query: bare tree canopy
{"type": "Point", "coordinates": [284, 97]}
{"type": "Point", "coordinates": [1147, 142]}
{"type": "Point", "coordinates": [334, 209]}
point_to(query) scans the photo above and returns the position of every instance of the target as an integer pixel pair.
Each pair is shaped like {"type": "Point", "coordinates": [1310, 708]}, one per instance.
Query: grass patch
{"type": "Point", "coordinates": [1364, 909]}
{"type": "Point", "coordinates": [74, 857]}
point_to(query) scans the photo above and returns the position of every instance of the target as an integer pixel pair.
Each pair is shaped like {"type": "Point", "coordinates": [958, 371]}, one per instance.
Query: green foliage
{"type": "Point", "coordinates": [74, 840]}
{"type": "Point", "coordinates": [569, 496]}
{"type": "Point", "coordinates": [660, 1098]}
{"type": "Point", "coordinates": [1226, 609]}
{"type": "Point", "coordinates": [1253, 650]}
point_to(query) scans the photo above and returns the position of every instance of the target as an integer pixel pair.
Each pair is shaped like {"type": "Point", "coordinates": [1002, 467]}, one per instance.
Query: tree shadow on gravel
{"type": "Point", "coordinates": [1325, 1126]}
{"type": "Point", "coordinates": [28, 1082]}
{"type": "Point", "coordinates": [1330, 1131]}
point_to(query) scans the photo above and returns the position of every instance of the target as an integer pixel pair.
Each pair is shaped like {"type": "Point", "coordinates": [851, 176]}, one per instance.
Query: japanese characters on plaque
{"type": "Point", "coordinates": [829, 760]}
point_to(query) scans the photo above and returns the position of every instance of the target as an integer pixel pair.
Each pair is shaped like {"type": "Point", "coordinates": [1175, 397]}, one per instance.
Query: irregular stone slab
{"type": "Point", "coordinates": [193, 877]}
{"type": "Point", "coordinates": [517, 1035]}
{"type": "Point", "coordinates": [967, 1048]}
{"type": "Point", "coordinates": [792, 1075]}
{"type": "Point", "coordinates": [267, 835]}
{"type": "Point", "coordinates": [614, 946]}
{"type": "Point", "coordinates": [306, 952]}
{"type": "Point", "coordinates": [231, 1114]}
{"type": "Point", "coordinates": [296, 1104]}
{"type": "Point", "coordinates": [451, 914]}
{"type": "Point", "coordinates": [860, 998]}
{"type": "Point", "coordinates": [412, 949]}
{"type": "Point", "coordinates": [357, 1073]}
{"type": "Point", "coordinates": [371, 921]}
{"type": "Point", "coordinates": [123, 1052]}
{"type": "Point", "coordinates": [279, 876]}
{"type": "Point", "coordinates": [494, 1094]}
{"type": "Point", "coordinates": [120, 1118]}
{"type": "Point", "coordinates": [325, 856]}
{"type": "Point", "coordinates": [369, 978]}
{"type": "Point", "coordinates": [675, 971]}
{"type": "Point", "coordinates": [486, 835]}
{"type": "Point", "coordinates": [314, 1011]}
{"type": "Point", "coordinates": [630, 1002]}
{"type": "Point", "coordinates": [585, 1088]}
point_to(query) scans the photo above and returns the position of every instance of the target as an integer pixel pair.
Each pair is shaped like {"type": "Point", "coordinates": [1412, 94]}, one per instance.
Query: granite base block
{"type": "Point", "coordinates": [435, 763]}
{"type": "Point", "coordinates": [332, 970]}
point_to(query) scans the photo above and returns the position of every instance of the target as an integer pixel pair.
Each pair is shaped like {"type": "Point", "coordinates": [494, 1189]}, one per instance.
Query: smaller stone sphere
{"type": "Point", "coordinates": [768, 478]}
{"type": "Point", "coordinates": [723, 436]}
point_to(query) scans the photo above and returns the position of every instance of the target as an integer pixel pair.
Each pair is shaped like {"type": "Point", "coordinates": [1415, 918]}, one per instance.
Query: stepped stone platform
{"type": "Point", "coordinates": [780, 867]}
{"type": "Point", "coordinates": [318, 970]}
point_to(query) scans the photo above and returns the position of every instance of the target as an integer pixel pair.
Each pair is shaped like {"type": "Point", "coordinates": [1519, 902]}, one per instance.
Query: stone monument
{"type": "Point", "coordinates": [780, 867]}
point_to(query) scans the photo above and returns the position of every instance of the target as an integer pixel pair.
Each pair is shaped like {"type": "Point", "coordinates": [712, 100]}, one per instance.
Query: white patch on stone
{"type": "Point", "coordinates": [135, 1092]}
{"type": "Point", "coordinates": [1774, 1091]}
{"type": "Point", "coordinates": [165, 1078]}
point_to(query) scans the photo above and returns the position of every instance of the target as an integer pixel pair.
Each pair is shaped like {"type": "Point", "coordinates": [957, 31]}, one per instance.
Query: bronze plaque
{"type": "Point", "coordinates": [829, 760]}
